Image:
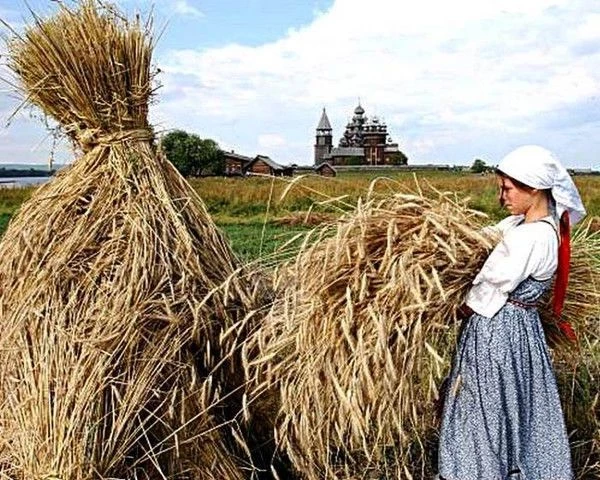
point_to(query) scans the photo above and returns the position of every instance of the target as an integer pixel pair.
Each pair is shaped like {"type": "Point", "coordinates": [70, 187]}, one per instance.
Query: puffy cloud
{"type": "Point", "coordinates": [453, 80]}
{"type": "Point", "coordinates": [270, 140]}
{"type": "Point", "coordinates": [441, 73]}
{"type": "Point", "coordinates": [183, 7]}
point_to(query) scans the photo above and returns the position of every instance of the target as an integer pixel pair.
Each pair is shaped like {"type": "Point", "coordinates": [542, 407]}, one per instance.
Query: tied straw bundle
{"type": "Point", "coordinates": [363, 330]}
{"type": "Point", "coordinates": [119, 295]}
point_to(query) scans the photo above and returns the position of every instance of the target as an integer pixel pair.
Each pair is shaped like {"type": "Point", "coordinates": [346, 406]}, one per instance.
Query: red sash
{"type": "Point", "coordinates": [562, 277]}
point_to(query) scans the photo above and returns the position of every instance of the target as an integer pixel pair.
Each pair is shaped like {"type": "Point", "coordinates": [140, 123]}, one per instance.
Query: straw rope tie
{"type": "Point", "coordinates": [90, 138]}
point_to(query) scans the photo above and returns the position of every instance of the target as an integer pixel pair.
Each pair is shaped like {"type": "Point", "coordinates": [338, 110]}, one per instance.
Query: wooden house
{"type": "Point", "coordinates": [263, 165]}
{"type": "Point", "coordinates": [235, 164]}
{"type": "Point", "coordinates": [325, 170]}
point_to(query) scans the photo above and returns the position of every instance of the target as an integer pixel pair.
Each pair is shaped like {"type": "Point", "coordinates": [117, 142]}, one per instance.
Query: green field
{"type": "Point", "coordinates": [260, 214]}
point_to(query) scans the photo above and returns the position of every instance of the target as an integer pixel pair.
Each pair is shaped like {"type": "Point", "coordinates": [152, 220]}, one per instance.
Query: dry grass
{"type": "Point", "coordinates": [578, 371]}
{"type": "Point", "coordinates": [363, 329]}
{"type": "Point", "coordinates": [351, 344]}
{"type": "Point", "coordinates": [119, 295]}
{"type": "Point", "coordinates": [238, 199]}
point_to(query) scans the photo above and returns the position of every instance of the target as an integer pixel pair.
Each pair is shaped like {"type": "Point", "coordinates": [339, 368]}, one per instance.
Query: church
{"type": "Point", "coordinates": [365, 142]}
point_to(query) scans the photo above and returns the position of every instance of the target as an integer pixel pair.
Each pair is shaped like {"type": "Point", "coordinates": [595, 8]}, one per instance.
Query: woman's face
{"type": "Point", "coordinates": [515, 199]}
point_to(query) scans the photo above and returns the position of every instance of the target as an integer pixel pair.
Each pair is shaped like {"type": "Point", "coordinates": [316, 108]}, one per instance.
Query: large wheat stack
{"type": "Point", "coordinates": [119, 295]}
{"type": "Point", "coordinates": [363, 329]}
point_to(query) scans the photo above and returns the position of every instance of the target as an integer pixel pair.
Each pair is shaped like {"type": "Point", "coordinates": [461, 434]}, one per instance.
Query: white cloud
{"type": "Point", "coordinates": [454, 80]}
{"type": "Point", "coordinates": [270, 140]}
{"type": "Point", "coordinates": [183, 7]}
{"type": "Point", "coordinates": [442, 73]}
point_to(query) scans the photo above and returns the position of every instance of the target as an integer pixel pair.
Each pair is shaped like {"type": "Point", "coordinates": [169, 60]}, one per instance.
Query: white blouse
{"type": "Point", "coordinates": [526, 249]}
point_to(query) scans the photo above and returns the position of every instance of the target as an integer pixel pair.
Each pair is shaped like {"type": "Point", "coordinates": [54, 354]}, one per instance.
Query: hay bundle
{"type": "Point", "coordinates": [363, 330]}
{"type": "Point", "coordinates": [116, 355]}
{"type": "Point", "coordinates": [578, 372]}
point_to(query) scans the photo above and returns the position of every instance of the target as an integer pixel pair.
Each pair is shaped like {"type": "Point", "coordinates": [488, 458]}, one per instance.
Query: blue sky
{"type": "Point", "coordinates": [454, 80]}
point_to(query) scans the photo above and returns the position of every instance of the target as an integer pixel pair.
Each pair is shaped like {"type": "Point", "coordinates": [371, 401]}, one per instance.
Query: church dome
{"type": "Point", "coordinates": [359, 110]}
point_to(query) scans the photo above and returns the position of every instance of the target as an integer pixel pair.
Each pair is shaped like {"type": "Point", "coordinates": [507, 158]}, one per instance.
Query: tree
{"type": "Point", "coordinates": [211, 159]}
{"type": "Point", "coordinates": [398, 158]}
{"type": "Point", "coordinates": [479, 166]}
{"type": "Point", "coordinates": [192, 155]}
{"type": "Point", "coordinates": [176, 145]}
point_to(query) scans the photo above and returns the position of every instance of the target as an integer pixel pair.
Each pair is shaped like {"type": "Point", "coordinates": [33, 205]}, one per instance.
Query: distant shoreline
{"type": "Point", "coordinates": [24, 173]}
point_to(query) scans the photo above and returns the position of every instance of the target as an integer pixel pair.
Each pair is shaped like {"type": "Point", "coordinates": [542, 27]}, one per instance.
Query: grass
{"type": "Point", "coordinates": [12, 198]}
{"type": "Point", "coordinates": [241, 206]}
{"type": "Point", "coordinates": [4, 219]}
{"type": "Point", "coordinates": [257, 240]}
{"type": "Point", "coordinates": [243, 197]}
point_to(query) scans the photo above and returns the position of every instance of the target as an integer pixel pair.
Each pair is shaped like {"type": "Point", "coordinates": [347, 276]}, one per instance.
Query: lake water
{"type": "Point", "coordinates": [11, 182]}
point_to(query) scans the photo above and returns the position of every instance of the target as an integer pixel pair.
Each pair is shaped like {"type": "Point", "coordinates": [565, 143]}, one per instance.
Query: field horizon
{"type": "Point", "coordinates": [259, 214]}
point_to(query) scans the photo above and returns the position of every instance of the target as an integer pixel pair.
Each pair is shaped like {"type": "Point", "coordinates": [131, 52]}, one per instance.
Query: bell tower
{"type": "Point", "coordinates": [323, 139]}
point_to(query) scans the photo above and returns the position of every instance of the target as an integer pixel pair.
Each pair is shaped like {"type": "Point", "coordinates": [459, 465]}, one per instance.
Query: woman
{"type": "Point", "coordinates": [502, 417]}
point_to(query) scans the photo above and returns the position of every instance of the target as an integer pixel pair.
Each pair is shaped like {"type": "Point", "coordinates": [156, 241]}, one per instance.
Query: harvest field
{"type": "Point", "coordinates": [261, 214]}
{"type": "Point", "coordinates": [257, 220]}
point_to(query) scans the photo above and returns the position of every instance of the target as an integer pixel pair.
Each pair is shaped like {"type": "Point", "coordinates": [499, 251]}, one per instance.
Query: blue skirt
{"type": "Point", "coordinates": [502, 416]}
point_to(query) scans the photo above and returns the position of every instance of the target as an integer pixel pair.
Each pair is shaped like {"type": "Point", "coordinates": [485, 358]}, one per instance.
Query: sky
{"type": "Point", "coordinates": [454, 81]}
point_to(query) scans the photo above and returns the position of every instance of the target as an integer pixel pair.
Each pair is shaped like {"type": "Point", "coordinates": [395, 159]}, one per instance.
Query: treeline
{"type": "Point", "coordinates": [24, 172]}
{"type": "Point", "coordinates": [193, 156]}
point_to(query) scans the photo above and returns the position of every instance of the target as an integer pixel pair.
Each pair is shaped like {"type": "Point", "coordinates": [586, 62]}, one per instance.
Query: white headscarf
{"type": "Point", "coordinates": [539, 168]}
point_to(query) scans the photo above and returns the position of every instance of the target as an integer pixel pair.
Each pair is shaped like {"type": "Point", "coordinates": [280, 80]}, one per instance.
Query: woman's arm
{"type": "Point", "coordinates": [526, 250]}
